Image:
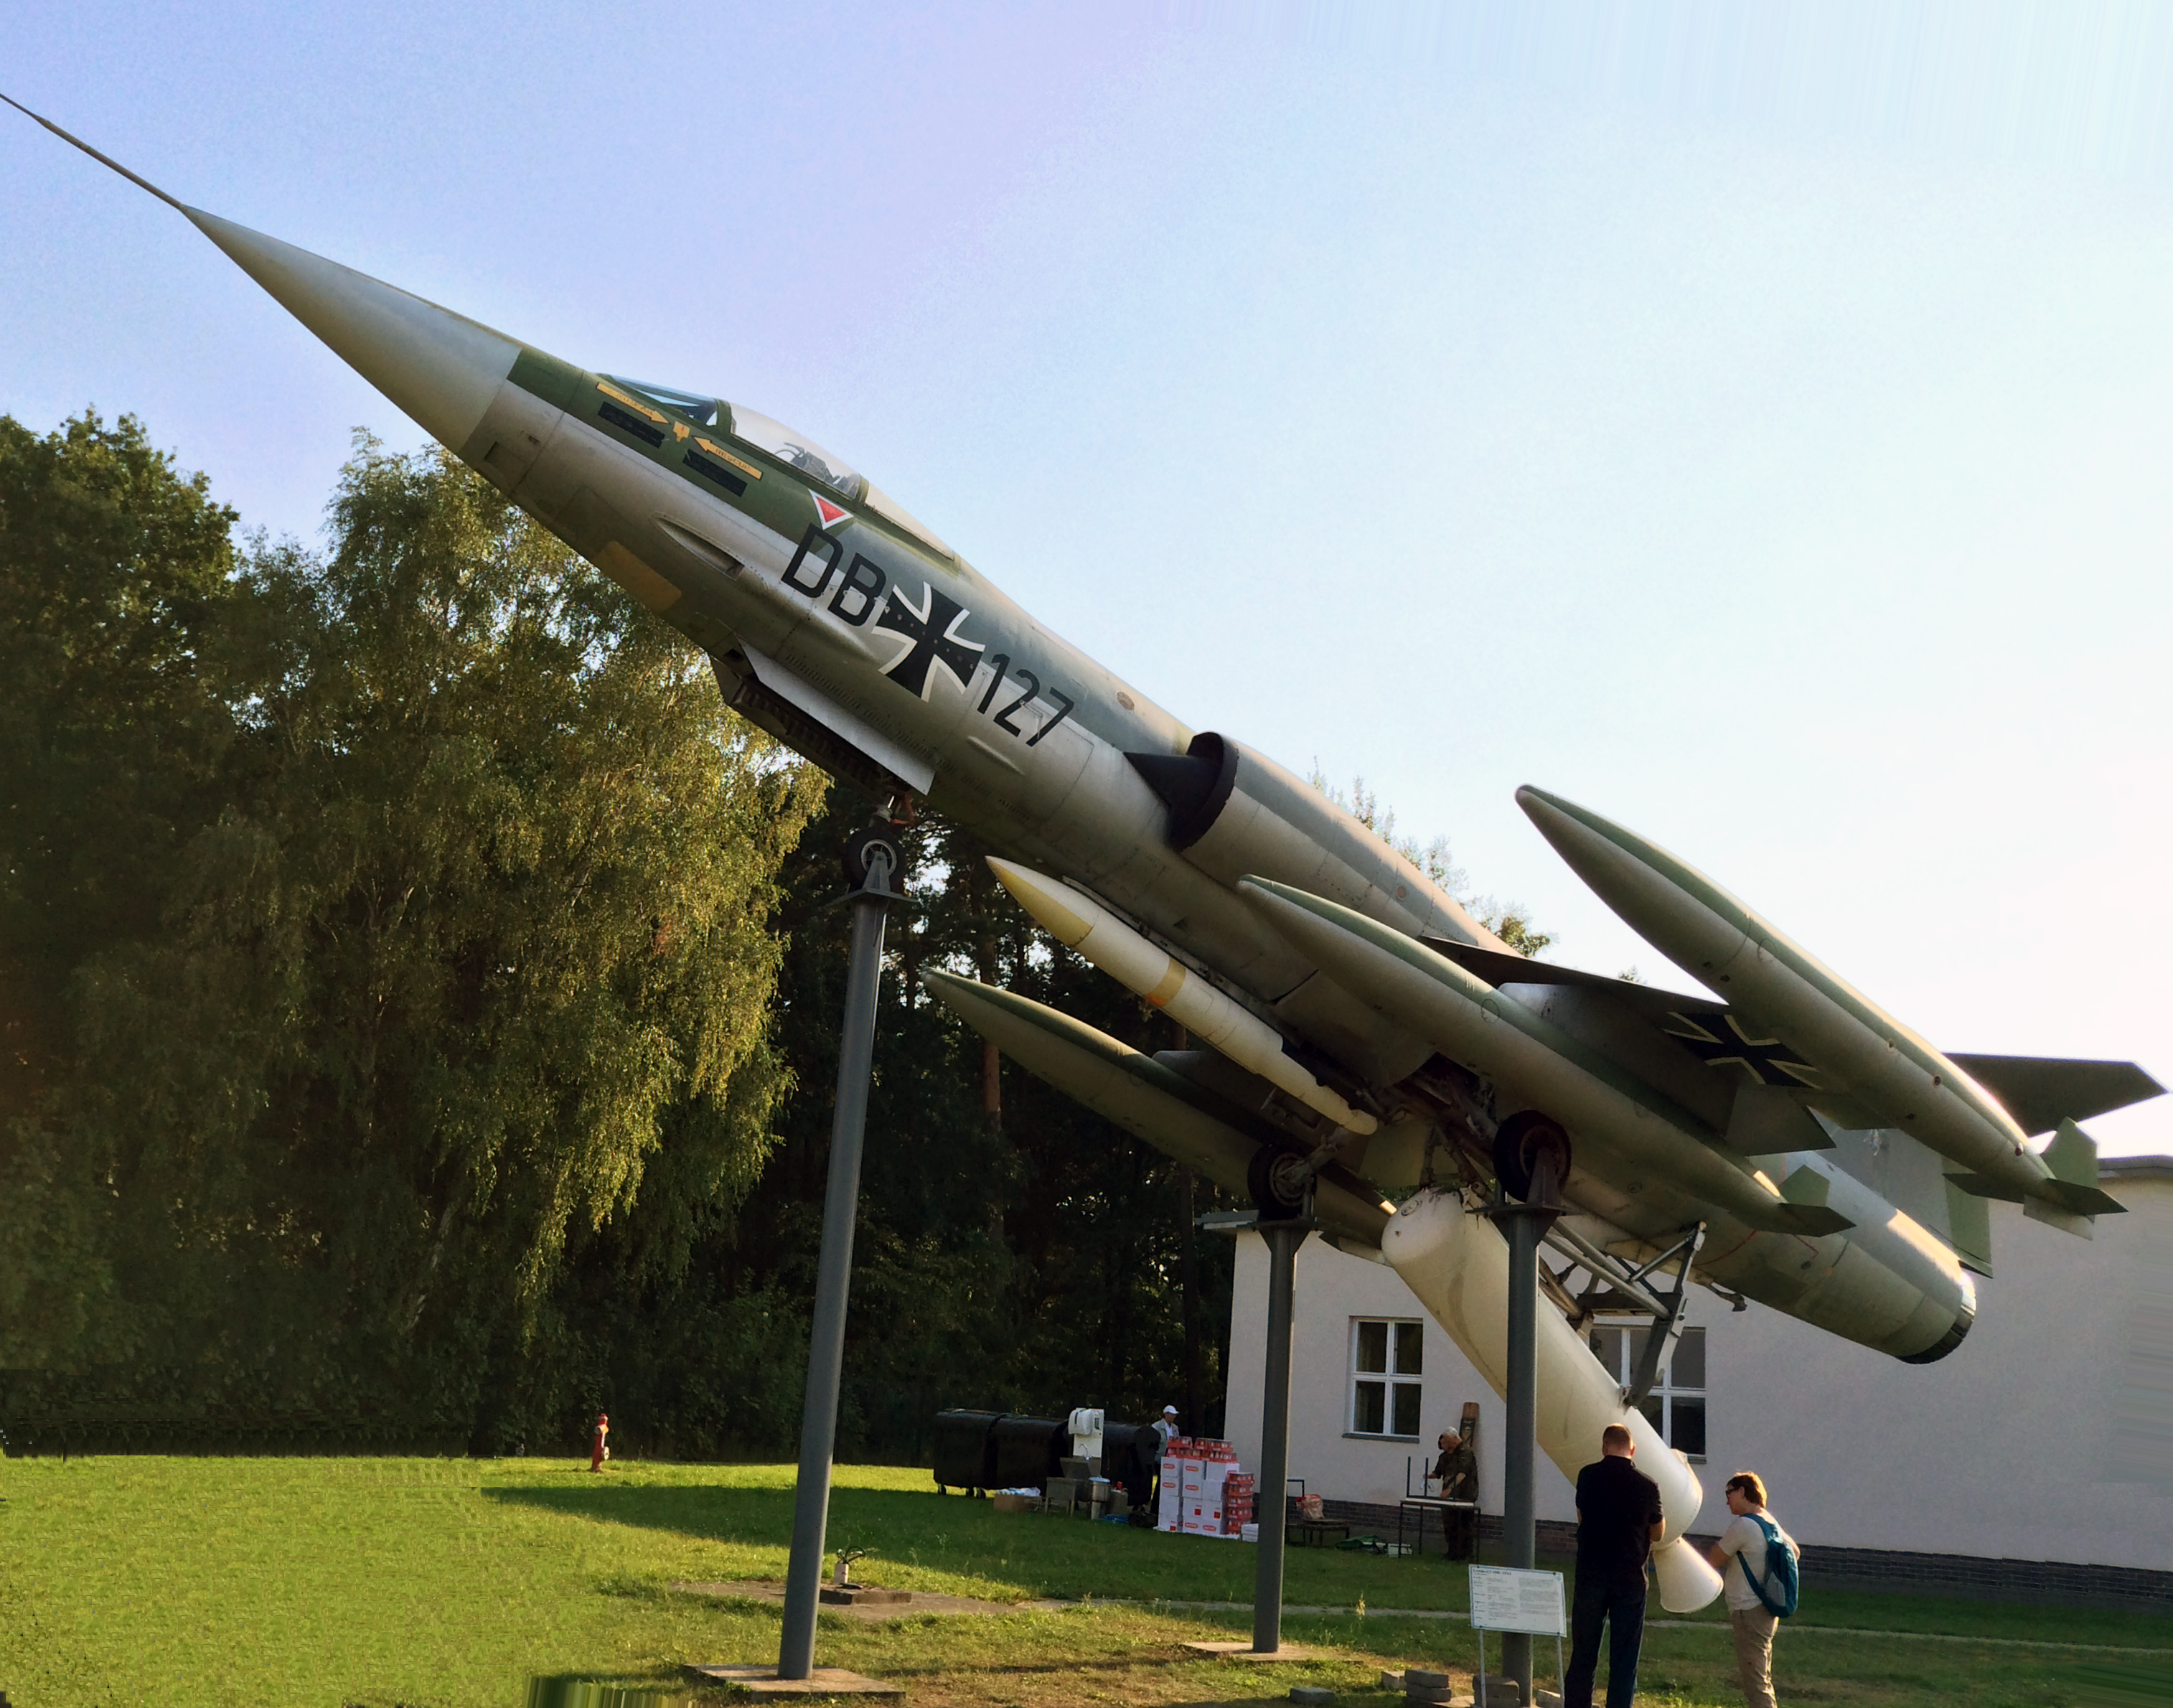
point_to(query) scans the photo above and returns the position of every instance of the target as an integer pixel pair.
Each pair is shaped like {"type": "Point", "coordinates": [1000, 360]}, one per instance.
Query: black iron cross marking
{"type": "Point", "coordinates": [933, 632]}
{"type": "Point", "coordinates": [1719, 1041]}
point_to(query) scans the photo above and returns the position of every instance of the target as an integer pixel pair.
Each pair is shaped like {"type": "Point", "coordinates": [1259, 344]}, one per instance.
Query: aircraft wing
{"type": "Point", "coordinates": [2041, 1091]}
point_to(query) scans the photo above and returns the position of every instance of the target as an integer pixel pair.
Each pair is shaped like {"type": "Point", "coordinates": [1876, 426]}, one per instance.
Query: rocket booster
{"type": "Point", "coordinates": [1161, 981]}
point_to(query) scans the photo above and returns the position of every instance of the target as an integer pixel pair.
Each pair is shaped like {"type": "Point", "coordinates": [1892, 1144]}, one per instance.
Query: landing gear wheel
{"type": "Point", "coordinates": [1278, 1190]}
{"type": "Point", "coordinates": [867, 845]}
{"type": "Point", "coordinates": [1519, 1142]}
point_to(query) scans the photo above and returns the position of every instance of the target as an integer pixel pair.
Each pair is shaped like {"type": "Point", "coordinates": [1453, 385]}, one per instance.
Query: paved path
{"type": "Point", "coordinates": [1431, 1612]}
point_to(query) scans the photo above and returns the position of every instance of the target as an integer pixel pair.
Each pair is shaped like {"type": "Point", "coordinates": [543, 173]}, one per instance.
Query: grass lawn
{"type": "Point", "coordinates": [447, 1583]}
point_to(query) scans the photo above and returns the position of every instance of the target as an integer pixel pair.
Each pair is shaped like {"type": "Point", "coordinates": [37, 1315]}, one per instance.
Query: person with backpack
{"type": "Point", "coordinates": [1758, 1560]}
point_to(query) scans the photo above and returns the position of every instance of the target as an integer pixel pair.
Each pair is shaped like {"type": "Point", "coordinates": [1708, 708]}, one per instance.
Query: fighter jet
{"type": "Point", "coordinates": [1777, 1137]}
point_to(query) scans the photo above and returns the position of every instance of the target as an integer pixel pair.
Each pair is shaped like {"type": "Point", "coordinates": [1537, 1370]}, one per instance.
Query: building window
{"type": "Point", "coordinates": [1385, 1365]}
{"type": "Point", "coordinates": [1676, 1405]}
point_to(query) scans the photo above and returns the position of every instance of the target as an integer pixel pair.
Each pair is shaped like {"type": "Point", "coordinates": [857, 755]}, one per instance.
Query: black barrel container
{"type": "Point", "coordinates": [965, 1451]}
{"type": "Point", "coordinates": [1028, 1451]}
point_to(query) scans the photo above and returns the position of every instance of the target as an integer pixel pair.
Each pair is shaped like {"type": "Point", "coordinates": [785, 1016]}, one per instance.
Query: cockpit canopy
{"type": "Point", "coordinates": [796, 450]}
{"type": "Point", "coordinates": [703, 411]}
{"type": "Point", "coordinates": [787, 446]}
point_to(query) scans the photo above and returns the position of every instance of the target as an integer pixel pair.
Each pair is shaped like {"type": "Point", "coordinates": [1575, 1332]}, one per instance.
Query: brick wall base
{"type": "Point", "coordinates": [1970, 1578]}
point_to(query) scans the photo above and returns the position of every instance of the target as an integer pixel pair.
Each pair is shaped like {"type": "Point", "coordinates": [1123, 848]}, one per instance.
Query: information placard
{"type": "Point", "coordinates": [1506, 1600]}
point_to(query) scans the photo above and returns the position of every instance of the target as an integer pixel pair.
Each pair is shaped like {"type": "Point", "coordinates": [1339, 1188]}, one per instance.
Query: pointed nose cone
{"type": "Point", "coordinates": [442, 368]}
{"type": "Point", "coordinates": [1562, 822]}
{"type": "Point", "coordinates": [1672, 905]}
{"type": "Point", "coordinates": [1593, 845]}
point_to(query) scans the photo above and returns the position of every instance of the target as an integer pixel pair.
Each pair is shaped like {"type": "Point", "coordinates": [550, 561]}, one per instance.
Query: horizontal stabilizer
{"type": "Point", "coordinates": [2082, 1200]}
{"type": "Point", "coordinates": [2041, 1092]}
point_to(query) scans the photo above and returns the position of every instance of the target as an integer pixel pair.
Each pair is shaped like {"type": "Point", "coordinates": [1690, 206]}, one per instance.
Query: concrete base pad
{"type": "Point", "coordinates": [1245, 1652]}
{"type": "Point", "coordinates": [762, 1681]}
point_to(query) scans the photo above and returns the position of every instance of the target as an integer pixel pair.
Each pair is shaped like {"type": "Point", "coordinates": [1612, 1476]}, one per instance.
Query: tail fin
{"type": "Point", "coordinates": [2073, 1158]}
{"type": "Point", "coordinates": [2068, 1197]}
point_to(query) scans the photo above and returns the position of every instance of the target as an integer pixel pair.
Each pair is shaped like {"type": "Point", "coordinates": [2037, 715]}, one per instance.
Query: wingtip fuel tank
{"type": "Point", "coordinates": [1843, 1049]}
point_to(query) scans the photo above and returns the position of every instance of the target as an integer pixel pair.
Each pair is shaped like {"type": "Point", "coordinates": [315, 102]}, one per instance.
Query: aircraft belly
{"type": "Point", "coordinates": [837, 661]}
{"type": "Point", "coordinates": [1106, 813]}
{"type": "Point", "coordinates": [1076, 807]}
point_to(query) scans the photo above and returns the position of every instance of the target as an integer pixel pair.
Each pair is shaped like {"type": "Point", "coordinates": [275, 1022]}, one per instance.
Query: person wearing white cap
{"type": "Point", "coordinates": [1165, 1431]}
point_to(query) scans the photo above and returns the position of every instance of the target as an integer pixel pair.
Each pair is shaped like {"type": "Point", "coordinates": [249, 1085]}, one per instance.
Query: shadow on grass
{"type": "Point", "coordinates": [913, 1532]}
{"type": "Point", "coordinates": [756, 1517]}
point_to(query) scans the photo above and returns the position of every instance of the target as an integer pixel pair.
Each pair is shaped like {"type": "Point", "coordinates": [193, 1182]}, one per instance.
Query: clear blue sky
{"type": "Point", "coordinates": [1753, 422]}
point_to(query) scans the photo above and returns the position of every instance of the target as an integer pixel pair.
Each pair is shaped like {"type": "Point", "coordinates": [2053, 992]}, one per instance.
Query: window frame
{"type": "Point", "coordinates": [1393, 1379]}
{"type": "Point", "coordinates": [1665, 1391]}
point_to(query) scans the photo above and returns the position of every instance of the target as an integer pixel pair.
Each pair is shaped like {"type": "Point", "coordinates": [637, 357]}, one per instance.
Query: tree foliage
{"type": "Point", "coordinates": [385, 917]}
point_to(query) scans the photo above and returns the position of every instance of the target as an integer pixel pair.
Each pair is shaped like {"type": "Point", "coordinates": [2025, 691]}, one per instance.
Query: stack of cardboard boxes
{"type": "Point", "coordinates": [1203, 1491]}
{"type": "Point", "coordinates": [1238, 1506]}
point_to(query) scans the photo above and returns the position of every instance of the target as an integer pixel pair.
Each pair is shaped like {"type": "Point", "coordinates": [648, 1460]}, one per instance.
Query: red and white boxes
{"type": "Point", "coordinates": [1203, 1491]}
{"type": "Point", "coordinates": [1237, 1502]}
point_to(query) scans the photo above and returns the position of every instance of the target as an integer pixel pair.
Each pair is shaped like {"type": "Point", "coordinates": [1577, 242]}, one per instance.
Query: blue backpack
{"type": "Point", "coordinates": [1776, 1594]}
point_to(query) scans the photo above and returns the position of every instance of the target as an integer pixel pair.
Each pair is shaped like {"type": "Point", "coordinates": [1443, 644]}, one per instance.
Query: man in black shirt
{"type": "Point", "coordinates": [1618, 1521]}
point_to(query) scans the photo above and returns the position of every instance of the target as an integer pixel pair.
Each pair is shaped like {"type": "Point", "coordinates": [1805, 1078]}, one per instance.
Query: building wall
{"type": "Point", "coordinates": [2038, 1439]}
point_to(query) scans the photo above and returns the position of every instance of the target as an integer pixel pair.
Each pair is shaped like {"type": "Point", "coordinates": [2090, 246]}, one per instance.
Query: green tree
{"type": "Point", "coordinates": [465, 952]}
{"type": "Point", "coordinates": [115, 570]}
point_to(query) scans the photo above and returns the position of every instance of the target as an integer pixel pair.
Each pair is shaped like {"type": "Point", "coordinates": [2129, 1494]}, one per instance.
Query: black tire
{"type": "Point", "coordinates": [1518, 1143]}
{"type": "Point", "coordinates": [862, 846]}
{"type": "Point", "coordinates": [1274, 1198]}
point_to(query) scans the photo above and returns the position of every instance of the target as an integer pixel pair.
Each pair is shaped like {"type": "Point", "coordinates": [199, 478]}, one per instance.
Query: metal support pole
{"type": "Point", "coordinates": [826, 1340]}
{"type": "Point", "coordinates": [1525, 1225]}
{"type": "Point", "coordinates": [1272, 1502]}
{"type": "Point", "coordinates": [1519, 1494]}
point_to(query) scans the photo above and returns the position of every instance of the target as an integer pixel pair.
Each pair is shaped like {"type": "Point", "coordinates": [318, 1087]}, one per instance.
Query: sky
{"type": "Point", "coordinates": [1753, 421]}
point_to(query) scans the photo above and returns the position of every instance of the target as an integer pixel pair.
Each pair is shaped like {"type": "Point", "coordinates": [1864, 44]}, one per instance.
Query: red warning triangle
{"type": "Point", "coordinates": [829, 513]}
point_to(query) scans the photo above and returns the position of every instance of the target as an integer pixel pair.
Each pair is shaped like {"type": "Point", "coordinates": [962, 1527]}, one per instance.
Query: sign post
{"type": "Point", "coordinates": [1524, 1604]}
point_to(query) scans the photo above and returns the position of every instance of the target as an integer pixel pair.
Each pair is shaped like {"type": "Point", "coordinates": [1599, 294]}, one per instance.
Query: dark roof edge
{"type": "Point", "coordinates": [2136, 1167]}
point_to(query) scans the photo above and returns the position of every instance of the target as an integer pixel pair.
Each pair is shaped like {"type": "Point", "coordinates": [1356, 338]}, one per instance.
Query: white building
{"type": "Point", "coordinates": [2045, 1441]}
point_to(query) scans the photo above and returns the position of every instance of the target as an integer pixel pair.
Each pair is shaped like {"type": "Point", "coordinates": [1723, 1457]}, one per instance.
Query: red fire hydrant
{"type": "Point", "coordinates": [601, 1450]}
